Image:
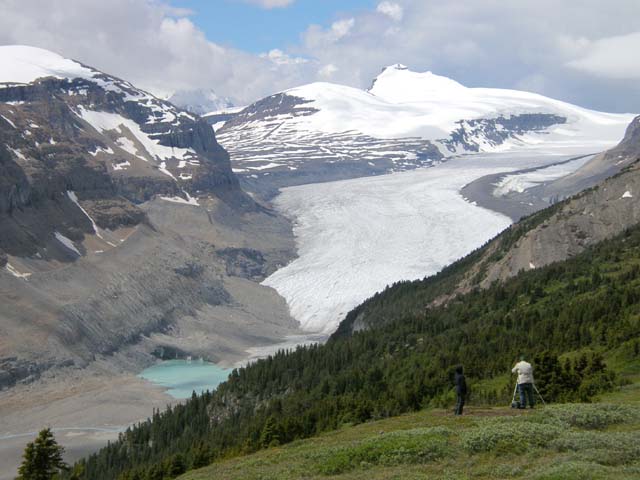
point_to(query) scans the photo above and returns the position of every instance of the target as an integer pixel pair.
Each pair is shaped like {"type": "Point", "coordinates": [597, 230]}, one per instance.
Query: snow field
{"type": "Point", "coordinates": [523, 181]}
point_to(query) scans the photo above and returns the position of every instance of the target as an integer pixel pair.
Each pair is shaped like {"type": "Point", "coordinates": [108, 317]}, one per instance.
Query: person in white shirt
{"type": "Point", "coordinates": [525, 382]}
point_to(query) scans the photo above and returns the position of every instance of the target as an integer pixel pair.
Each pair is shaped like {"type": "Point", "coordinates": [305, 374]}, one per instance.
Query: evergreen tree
{"type": "Point", "coordinates": [42, 459]}
{"type": "Point", "coordinates": [201, 457]}
{"type": "Point", "coordinates": [177, 466]}
{"type": "Point", "coordinates": [269, 436]}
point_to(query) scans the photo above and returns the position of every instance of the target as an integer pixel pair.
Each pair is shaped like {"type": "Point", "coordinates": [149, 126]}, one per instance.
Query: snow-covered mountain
{"type": "Point", "coordinates": [109, 121]}
{"type": "Point", "coordinates": [200, 101]}
{"type": "Point", "coordinates": [406, 119]}
{"type": "Point", "coordinates": [120, 218]}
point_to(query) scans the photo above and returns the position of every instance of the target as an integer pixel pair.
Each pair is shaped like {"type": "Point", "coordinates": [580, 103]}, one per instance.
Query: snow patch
{"type": "Point", "coordinates": [104, 121]}
{"type": "Point", "coordinates": [523, 181]}
{"type": "Point", "coordinates": [627, 194]}
{"type": "Point", "coordinates": [67, 243]}
{"type": "Point", "coordinates": [189, 201]}
{"type": "Point", "coordinates": [74, 198]}
{"type": "Point", "coordinates": [12, 270]}
{"type": "Point", "coordinates": [128, 146]}
{"type": "Point", "coordinates": [23, 64]}
{"type": "Point", "coordinates": [106, 150]}
{"type": "Point", "coordinates": [163, 169]}
{"type": "Point", "coordinates": [121, 165]}
{"type": "Point", "coordinates": [17, 153]}
{"type": "Point", "coordinates": [265, 167]}
{"type": "Point", "coordinates": [9, 121]}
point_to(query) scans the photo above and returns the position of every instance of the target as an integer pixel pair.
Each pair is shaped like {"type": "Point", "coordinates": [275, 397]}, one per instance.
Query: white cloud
{"type": "Point", "coordinates": [547, 46]}
{"type": "Point", "coordinates": [270, 3]}
{"type": "Point", "coordinates": [391, 10]}
{"type": "Point", "coordinates": [155, 47]}
{"type": "Point", "coordinates": [342, 28]}
{"type": "Point", "coordinates": [316, 38]}
{"type": "Point", "coordinates": [582, 53]}
{"type": "Point", "coordinates": [278, 57]}
{"type": "Point", "coordinates": [612, 57]}
{"type": "Point", "coordinates": [327, 71]}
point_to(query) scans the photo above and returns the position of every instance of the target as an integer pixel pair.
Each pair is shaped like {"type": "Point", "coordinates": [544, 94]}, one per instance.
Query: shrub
{"type": "Point", "coordinates": [615, 448]}
{"type": "Point", "coordinates": [590, 416]}
{"type": "Point", "coordinates": [573, 470]}
{"type": "Point", "coordinates": [405, 447]}
{"type": "Point", "coordinates": [509, 436]}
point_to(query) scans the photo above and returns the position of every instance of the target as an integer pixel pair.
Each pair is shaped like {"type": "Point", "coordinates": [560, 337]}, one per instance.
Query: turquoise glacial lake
{"type": "Point", "coordinates": [182, 377]}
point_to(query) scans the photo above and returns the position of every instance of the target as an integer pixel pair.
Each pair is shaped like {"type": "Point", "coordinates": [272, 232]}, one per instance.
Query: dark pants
{"type": "Point", "coordinates": [459, 405]}
{"type": "Point", "coordinates": [526, 394]}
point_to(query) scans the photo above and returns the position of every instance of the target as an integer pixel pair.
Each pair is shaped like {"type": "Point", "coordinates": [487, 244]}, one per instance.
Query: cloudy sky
{"type": "Point", "coordinates": [581, 51]}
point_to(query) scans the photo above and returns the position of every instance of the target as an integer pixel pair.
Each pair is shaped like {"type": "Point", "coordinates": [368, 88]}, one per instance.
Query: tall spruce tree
{"type": "Point", "coordinates": [42, 459]}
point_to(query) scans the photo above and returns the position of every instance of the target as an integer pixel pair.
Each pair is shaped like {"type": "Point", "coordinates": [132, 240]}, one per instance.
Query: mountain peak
{"type": "Point", "coordinates": [200, 101]}
{"type": "Point", "coordinates": [25, 64]}
{"type": "Point", "coordinates": [395, 66]}
{"type": "Point", "coordinates": [398, 84]}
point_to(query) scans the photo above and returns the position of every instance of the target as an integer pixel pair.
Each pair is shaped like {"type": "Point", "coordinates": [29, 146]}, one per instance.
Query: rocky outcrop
{"type": "Point", "coordinates": [472, 135]}
{"type": "Point", "coordinates": [244, 263]}
{"type": "Point", "coordinates": [270, 107]}
{"type": "Point", "coordinates": [568, 227]}
{"type": "Point", "coordinates": [598, 214]}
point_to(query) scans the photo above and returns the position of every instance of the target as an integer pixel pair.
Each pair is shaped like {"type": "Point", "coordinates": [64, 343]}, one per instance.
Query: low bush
{"type": "Point", "coordinates": [605, 448]}
{"type": "Point", "coordinates": [508, 436]}
{"type": "Point", "coordinates": [404, 447]}
{"type": "Point", "coordinates": [590, 416]}
{"type": "Point", "coordinates": [572, 470]}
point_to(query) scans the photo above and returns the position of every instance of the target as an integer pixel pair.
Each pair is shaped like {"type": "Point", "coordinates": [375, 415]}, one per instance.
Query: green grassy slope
{"type": "Point", "coordinates": [580, 312]}
{"type": "Point", "coordinates": [570, 441]}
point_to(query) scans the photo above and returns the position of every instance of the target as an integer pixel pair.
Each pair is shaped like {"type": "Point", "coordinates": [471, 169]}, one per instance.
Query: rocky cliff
{"type": "Point", "coordinates": [587, 218]}
{"type": "Point", "coordinates": [120, 223]}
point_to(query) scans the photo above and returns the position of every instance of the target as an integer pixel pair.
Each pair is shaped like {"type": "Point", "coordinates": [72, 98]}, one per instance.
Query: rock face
{"type": "Point", "coordinates": [111, 144]}
{"type": "Point", "coordinates": [473, 135]}
{"type": "Point", "coordinates": [114, 206]}
{"type": "Point", "coordinates": [567, 228]}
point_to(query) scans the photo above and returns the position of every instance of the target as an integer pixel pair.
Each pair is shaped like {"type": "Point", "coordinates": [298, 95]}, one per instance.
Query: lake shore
{"type": "Point", "coordinates": [86, 409]}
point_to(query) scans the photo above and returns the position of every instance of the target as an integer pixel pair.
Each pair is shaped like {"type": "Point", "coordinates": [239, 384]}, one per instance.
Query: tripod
{"type": "Point", "coordinates": [515, 402]}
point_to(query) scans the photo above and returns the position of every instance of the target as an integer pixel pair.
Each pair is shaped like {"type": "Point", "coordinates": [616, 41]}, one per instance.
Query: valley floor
{"type": "Point", "coordinates": [86, 409]}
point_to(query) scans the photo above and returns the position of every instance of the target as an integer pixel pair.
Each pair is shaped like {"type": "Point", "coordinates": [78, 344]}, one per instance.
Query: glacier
{"type": "Point", "coordinates": [357, 236]}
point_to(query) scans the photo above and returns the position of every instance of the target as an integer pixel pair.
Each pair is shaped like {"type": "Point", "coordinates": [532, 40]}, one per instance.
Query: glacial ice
{"type": "Point", "coordinates": [355, 237]}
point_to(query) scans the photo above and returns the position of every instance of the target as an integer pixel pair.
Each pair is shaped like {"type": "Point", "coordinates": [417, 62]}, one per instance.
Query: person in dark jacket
{"type": "Point", "coordinates": [461, 390]}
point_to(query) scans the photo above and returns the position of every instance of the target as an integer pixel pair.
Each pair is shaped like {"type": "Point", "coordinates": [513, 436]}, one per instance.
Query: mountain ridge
{"type": "Point", "coordinates": [324, 131]}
